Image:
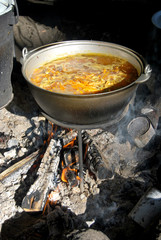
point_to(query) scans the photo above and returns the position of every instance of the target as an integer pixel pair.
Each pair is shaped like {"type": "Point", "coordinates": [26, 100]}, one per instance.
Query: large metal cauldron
{"type": "Point", "coordinates": [83, 111]}
{"type": "Point", "coordinates": [8, 17]}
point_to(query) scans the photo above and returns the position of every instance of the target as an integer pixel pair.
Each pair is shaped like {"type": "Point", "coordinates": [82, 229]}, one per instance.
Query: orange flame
{"type": "Point", "coordinates": [70, 144]}
{"type": "Point", "coordinates": [53, 198]}
{"type": "Point", "coordinates": [65, 171]}
{"type": "Point", "coordinates": [63, 175]}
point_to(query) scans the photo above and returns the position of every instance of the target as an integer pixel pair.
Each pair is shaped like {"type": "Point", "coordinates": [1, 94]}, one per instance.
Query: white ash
{"type": "Point", "coordinates": [21, 136]}
{"type": "Point", "coordinates": [12, 143]}
{"type": "Point", "coordinates": [8, 188]}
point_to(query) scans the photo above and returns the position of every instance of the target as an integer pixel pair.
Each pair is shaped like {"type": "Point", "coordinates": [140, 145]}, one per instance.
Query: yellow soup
{"type": "Point", "coordinates": [84, 74]}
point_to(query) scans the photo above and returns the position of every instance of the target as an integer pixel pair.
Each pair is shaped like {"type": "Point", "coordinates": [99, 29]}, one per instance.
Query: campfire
{"type": "Point", "coordinates": [58, 182]}
{"type": "Point", "coordinates": [48, 180]}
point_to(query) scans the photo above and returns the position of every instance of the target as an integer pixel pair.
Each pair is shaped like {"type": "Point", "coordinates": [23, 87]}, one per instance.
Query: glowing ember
{"type": "Point", "coordinates": [54, 196]}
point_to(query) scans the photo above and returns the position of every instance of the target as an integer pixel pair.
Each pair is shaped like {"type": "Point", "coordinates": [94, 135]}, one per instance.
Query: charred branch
{"type": "Point", "coordinates": [46, 181]}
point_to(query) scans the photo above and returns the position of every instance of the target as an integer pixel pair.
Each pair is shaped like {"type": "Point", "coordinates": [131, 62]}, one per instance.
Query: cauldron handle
{"type": "Point", "coordinates": [26, 53]}
{"type": "Point", "coordinates": [145, 76]}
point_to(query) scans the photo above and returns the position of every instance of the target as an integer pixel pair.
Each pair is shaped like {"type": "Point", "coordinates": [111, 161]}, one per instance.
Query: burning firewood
{"type": "Point", "coordinates": [45, 182]}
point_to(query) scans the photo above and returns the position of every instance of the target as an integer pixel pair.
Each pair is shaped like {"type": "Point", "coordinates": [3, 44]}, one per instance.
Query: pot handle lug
{"type": "Point", "coordinates": [145, 76]}
{"type": "Point", "coordinates": [24, 55]}
{"type": "Point", "coordinates": [24, 52]}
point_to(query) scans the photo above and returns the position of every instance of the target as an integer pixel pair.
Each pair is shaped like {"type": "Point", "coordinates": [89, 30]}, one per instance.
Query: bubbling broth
{"type": "Point", "coordinates": [84, 74]}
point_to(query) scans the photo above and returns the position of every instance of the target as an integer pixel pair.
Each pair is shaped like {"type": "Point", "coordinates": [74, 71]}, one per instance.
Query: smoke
{"type": "Point", "coordinates": [128, 144]}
